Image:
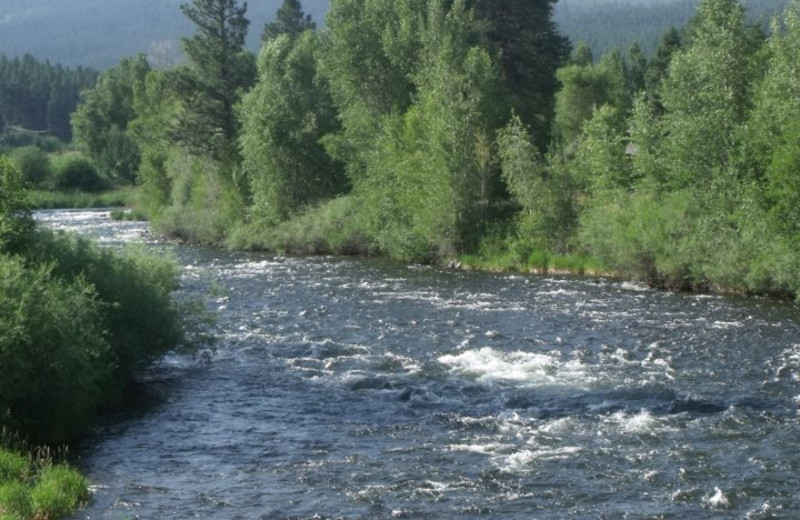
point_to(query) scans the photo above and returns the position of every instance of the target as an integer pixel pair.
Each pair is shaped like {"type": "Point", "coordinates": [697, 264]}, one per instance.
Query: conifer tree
{"type": "Point", "coordinates": [531, 50]}
{"type": "Point", "coordinates": [290, 20]}
{"type": "Point", "coordinates": [212, 83]}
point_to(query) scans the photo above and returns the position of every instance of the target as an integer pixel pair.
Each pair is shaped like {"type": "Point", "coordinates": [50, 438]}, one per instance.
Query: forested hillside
{"type": "Point", "coordinates": [608, 24]}
{"type": "Point", "coordinates": [98, 33]}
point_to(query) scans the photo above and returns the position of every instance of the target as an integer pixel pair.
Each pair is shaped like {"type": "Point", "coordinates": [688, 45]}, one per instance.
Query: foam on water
{"type": "Point", "coordinates": [490, 366]}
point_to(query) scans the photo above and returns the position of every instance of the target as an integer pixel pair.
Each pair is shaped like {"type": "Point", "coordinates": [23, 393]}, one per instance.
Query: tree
{"type": "Point", "coordinates": [531, 50]}
{"type": "Point", "coordinates": [707, 94]}
{"type": "Point", "coordinates": [290, 20]}
{"type": "Point", "coordinates": [658, 67]}
{"type": "Point", "coordinates": [774, 127]}
{"type": "Point", "coordinates": [636, 70]}
{"type": "Point", "coordinates": [586, 88]}
{"type": "Point", "coordinates": [432, 177]}
{"type": "Point", "coordinates": [100, 123]}
{"type": "Point", "coordinates": [284, 117]}
{"type": "Point", "coordinates": [371, 56]}
{"type": "Point", "coordinates": [211, 85]}
{"type": "Point", "coordinates": [16, 222]}
{"type": "Point", "coordinates": [582, 55]}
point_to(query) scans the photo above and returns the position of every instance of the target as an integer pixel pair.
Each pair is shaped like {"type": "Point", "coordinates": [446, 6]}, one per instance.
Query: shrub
{"type": "Point", "coordinates": [54, 352]}
{"type": "Point", "coordinates": [15, 222]}
{"type": "Point", "coordinates": [75, 172]}
{"type": "Point", "coordinates": [138, 312]}
{"type": "Point", "coordinates": [33, 164]}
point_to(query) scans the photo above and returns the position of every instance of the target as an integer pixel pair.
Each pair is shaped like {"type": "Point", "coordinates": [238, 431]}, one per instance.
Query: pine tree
{"type": "Point", "coordinates": [212, 83]}
{"type": "Point", "coordinates": [531, 51]}
{"type": "Point", "coordinates": [290, 20]}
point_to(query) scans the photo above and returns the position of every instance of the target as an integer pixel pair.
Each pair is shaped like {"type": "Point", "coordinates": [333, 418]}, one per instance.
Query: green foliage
{"type": "Point", "coordinates": [204, 201]}
{"type": "Point", "coordinates": [156, 106]}
{"type": "Point", "coordinates": [585, 88]}
{"type": "Point", "coordinates": [100, 122]}
{"type": "Point", "coordinates": [45, 199]}
{"type": "Point", "coordinates": [77, 322]}
{"type": "Point", "coordinates": [211, 84]}
{"type": "Point", "coordinates": [58, 493]}
{"type": "Point", "coordinates": [530, 50]}
{"type": "Point", "coordinates": [55, 358]}
{"type": "Point", "coordinates": [13, 466]}
{"type": "Point", "coordinates": [74, 172]}
{"type": "Point", "coordinates": [33, 163]}
{"type": "Point", "coordinates": [600, 162]}
{"type": "Point", "coordinates": [15, 220]}
{"type": "Point", "coordinates": [39, 489]}
{"type": "Point", "coordinates": [284, 117]}
{"type": "Point", "coordinates": [707, 94]}
{"type": "Point", "coordinates": [432, 178]}
{"type": "Point", "coordinates": [371, 55]}
{"type": "Point", "coordinates": [333, 227]}
{"type": "Point", "coordinates": [542, 187]}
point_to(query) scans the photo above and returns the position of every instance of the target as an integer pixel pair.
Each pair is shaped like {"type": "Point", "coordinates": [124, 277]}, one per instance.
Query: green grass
{"type": "Point", "coordinates": [45, 199]}
{"type": "Point", "coordinates": [38, 489]}
{"type": "Point", "coordinates": [541, 262]}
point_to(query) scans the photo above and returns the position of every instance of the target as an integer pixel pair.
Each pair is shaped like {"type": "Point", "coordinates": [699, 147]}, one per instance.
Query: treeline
{"type": "Point", "coordinates": [606, 25]}
{"type": "Point", "coordinates": [39, 98]}
{"type": "Point", "coordinates": [429, 129]}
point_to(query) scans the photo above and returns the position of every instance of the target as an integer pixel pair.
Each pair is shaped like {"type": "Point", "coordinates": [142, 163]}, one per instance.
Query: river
{"type": "Point", "coordinates": [359, 389]}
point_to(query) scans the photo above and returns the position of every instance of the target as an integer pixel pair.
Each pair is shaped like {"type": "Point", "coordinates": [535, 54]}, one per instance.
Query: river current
{"type": "Point", "coordinates": [357, 389]}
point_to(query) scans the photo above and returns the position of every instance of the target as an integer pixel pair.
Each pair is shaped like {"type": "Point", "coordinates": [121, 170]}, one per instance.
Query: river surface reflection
{"type": "Point", "coordinates": [342, 388]}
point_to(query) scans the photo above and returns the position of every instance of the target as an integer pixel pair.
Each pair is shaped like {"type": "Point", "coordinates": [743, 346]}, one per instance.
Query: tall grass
{"type": "Point", "coordinates": [34, 487]}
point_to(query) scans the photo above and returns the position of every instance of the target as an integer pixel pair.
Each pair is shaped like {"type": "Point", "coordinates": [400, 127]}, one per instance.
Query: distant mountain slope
{"type": "Point", "coordinates": [98, 33]}
{"type": "Point", "coordinates": [608, 24]}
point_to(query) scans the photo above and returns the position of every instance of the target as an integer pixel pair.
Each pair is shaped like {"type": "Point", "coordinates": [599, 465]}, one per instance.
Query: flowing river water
{"type": "Point", "coordinates": [355, 389]}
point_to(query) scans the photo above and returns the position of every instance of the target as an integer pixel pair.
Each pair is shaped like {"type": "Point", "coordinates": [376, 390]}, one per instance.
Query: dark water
{"type": "Point", "coordinates": [366, 390]}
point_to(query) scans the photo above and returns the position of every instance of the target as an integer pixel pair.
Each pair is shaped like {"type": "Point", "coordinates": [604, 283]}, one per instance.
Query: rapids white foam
{"type": "Point", "coordinates": [490, 366]}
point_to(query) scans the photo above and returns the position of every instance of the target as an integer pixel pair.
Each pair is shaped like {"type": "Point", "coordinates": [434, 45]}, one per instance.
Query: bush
{"type": "Point", "coordinates": [138, 313]}
{"type": "Point", "coordinates": [54, 351]}
{"type": "Point", "coordinates": [15, 222]}
{"type": "Point", "coordinates": [75, 172]}
{"type": "Point", "coordinates": [11, 139]}
{"type": "Point", "coordinates": [32, 163]}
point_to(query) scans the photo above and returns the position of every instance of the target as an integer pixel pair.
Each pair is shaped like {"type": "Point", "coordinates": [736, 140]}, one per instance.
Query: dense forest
{"type": "Point", "coordinates": [426, 130]}
{"type": "Point", "coordinates": [39, 97]}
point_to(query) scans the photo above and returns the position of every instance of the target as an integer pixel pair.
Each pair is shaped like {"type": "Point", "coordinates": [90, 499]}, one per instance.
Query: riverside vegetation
{"type": "Point", "coordinates": [430, 129]}
{"type": "Point", "coordinates": [427, 130]}
{"type": "Point", "coordinates": [76, 322]}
